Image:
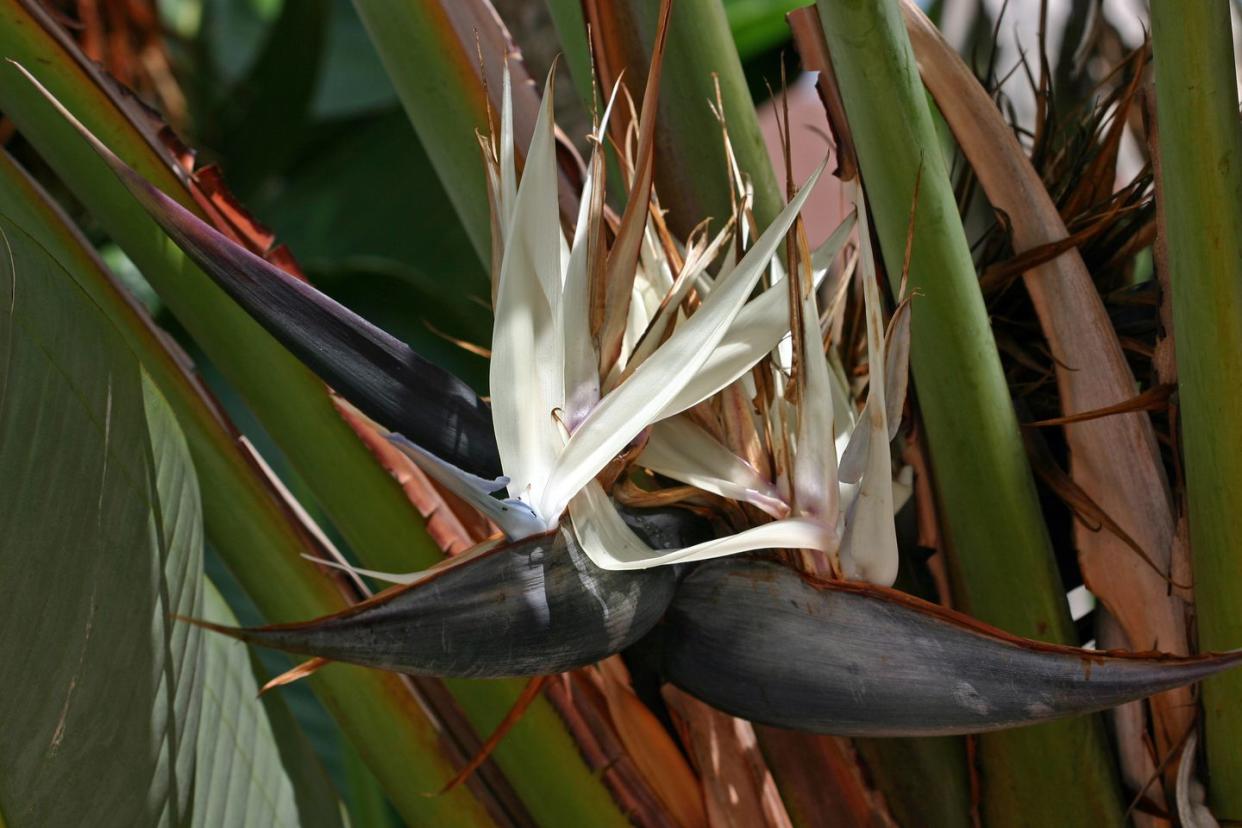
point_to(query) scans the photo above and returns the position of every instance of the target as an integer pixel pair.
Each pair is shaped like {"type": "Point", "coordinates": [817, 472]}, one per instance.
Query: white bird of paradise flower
{"type": "Point", "coordinates": [556, 431]}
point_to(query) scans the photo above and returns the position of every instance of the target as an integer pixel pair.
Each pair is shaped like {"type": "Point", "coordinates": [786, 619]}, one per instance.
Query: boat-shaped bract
{"type": "Point", "coordinates": [533, 607]}
{"type": "Point", "coordinates": [760, 641]}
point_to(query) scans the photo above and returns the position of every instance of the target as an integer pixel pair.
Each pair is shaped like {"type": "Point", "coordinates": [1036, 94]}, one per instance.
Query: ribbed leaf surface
{"type": "Point", "coordinates": [240, 778]}
{"type": "Point", "coordinates": [102, 542]}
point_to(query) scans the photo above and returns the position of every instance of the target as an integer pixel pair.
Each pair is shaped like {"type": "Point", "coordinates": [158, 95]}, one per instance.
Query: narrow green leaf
{"type": "Point", "coordinates": [435, 72]}
{"type": "Point", "coordinates": [267, 109]}
{"type": "Point", "coordinates": [983, 483]}
{"type": "Point", "coordinates": [1201, 191]}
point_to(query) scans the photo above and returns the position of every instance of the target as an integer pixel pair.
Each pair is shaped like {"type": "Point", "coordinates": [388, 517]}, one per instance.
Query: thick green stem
{"type": "Point", "coordinates": [436, 79]}
{"type": "Point", "coordinates": [1004, 570]}
{"type": "Point", "coordinates": [691, 174]}
{"type": "Point", "coordinates": [1201, 161]}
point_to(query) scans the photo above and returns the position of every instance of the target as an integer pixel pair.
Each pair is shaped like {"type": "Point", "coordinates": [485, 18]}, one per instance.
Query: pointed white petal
{"type": "Point", "coordinates": [815, 461]}
{"type": "Point", "coordinates": [869, 543]}
{"type": "Point", "coordinates": [526, 375]}
{"type": "Point", "coordinates": [508, 167]}
{"type": "Point", "coordinates": [637, 402]}
{"type": "Point", "coordinates": [698, 258]}
{"type": "Point", "coordinates": [854, 458]}
{"type": "Point", "coordinates": [581, 390]}
{"type": "Point", "coordinates": [754, 334]}
{"type": "Point", "coordinates": [679, 449]}
{"type": "Point", "coordinates": [408, 577]}
{"type": "Point", "coordinates": [611, 544]}
{"type": "Point", "coordinates": [515, 519]}
{"type": "Point", "coordinates": [897, 365]}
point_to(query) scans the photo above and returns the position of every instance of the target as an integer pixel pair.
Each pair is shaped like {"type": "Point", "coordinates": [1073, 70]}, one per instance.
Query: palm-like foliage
{"type": "Point", "coordinates": [626, 360]}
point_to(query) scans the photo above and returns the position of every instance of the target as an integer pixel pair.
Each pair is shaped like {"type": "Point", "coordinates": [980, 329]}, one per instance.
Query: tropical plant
{"type": "Point", "coordinates": [693, 556]}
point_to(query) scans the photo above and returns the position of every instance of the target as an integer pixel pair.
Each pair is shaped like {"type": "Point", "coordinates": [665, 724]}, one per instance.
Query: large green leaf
{"type": "Point", "coordinates": [102, 545]}
{"type": "Point", "coordinates": [243, 514]}
{"type": "Point", "coordinates": [103, 548]}
{"type": "Point", "coordinates": [241, 776]}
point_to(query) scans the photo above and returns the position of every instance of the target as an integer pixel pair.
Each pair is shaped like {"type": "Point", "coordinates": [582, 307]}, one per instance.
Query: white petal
{"type": "Point", "coordinates": [508, 168]}
{"type": "Point", "coordinates": [854, 458]}
{"type": "Point", "coordinates": [526, 376]}
{"type": "Point", "coordinates": [698, 257]}
{"type": "Point", "coordinates": [637, 402]}
{"type": "Point", "coordinates": [755, 332]}
{"type": "Point", "coordinates": [611, 544]}
{"type": "Point", "coordinates": [409, 577]}
{"type": "Point", "coordinates": [897, 365]}
{"type": "Point", "coordinates": [515, 519]}
{"type": "Point", "coordinates": [815, 461]}
{"type": "Point", "coordinates": [869, 543]}
{"type": "Point", "coordinates": [679, 449]}
{"type": "Point", "coordinates": [581, 390]}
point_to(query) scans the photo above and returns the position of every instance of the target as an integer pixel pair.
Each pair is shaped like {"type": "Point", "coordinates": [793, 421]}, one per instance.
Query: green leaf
{"type": "Point", "coordinates": [434, 74]}
{"type": "Point", "coordinates": [354, 209]}
{"type": "Point", "coordinates": [759, 25]}
{"type": "Point", "coordinates": [243, 514]}
{"type": "Point", "coordinates": [353, 80]}
{"type": "Point", "coordinates": [1200, 197]}
{"type": "Point", "coordinates": [102, 545]}
{"type": "Point", "coordinates": [267, 110]}
{"type": "Point", "coordinates": [241, 778]}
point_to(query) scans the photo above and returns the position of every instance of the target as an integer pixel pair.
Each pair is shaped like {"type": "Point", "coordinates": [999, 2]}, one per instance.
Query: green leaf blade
{"type": "Point", "coordinates": [102, 543]}
{"type": "Point", "coordinates": [243, 513]}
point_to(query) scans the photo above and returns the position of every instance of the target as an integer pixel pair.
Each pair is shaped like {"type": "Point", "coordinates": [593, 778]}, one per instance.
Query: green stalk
{"type": "Point", "coordinates": [571, 31]}
{"type": "Point", "coordinates": [242, 517]}
{"type": "Point", "coordinates": [691, 173]}
{"type": "Point", "coordinates": [436, 78]}
{"type": "Point", "coordinates": [1201, 179]}
{"type": "Point", "coordinates": [1002, 561]}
